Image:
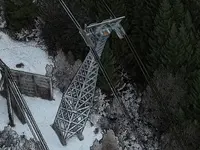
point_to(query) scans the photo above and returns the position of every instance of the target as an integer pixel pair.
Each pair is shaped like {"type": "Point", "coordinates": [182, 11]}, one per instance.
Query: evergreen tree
{"type": "Point", "coordinates": [181, 43]}
{"type": "Point", "coordinates": [91, 8]}
{"type": "Point", "coordinates": [96, 11]}
{"type": "Point", "coordinates": [188, 22]}
{"type": "Point", "coordinates": [194, 96]}
{"type": "Point", "coordinates": [20, 14]}
{"type": "Point", "coordinates": [109, 62]}
{"type": "Point", "coordinates": [59, 32]}
{"type": "Point", "coordinates": [178, 11]}
{"type": "Point", "coordinates": [138, 23]}
{"type": "Point", "coordinates": [175, 45]}
{"type": "Point", "coordinates": [187, 48]}
{"type": "Point", "coordinates": [171, 50]}
{"type": "Point", "coordinates": [178, 50]}
{"type": "Point", "coordinates": [196, 55]}
{"type": "Point", "coordinates": [140, 15]}
{"type": "Point", "coordinates": [163, 23]}
{"type": "Point", "coordinates": [193, 80]}
{"type": "Point", "coordinates": [194, 8]}
{"type": "Point", "coordinates": [117, 6]}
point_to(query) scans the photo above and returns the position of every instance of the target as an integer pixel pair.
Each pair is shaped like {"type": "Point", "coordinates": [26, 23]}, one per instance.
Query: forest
{"type": "Point", "coordinates": [166, 36]}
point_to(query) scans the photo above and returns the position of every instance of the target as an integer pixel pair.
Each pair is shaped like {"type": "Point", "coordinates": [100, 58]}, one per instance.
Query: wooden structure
{"type": "Point", "coordinates": [29, 84]}
{"type": "Point", "coordinates": [34, 85]}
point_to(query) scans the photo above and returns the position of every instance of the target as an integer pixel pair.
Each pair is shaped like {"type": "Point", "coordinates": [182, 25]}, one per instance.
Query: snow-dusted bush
{"type": "Point", "coordinates": [10, 140]}
{"type": "Point", "coordinates": [63, 71]}
{"type": "Point", "coordinates": [30, 34]}
{"type": "Point", "coordinates": [133, 134]}
{"type": "Point", "coordinates": [2, 17]}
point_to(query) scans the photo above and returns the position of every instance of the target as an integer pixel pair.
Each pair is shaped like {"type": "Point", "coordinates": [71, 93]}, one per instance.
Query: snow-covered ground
{"type": "Point", "coordinates": [44, 111]}
{"type": "Point", "coordinates": [33, 58]}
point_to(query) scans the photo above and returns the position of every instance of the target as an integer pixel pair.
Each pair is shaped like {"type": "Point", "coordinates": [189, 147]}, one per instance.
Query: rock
{"type": "Point", "coordinates": [20, 65]}
{"type": "Point", "coordinates": [110, 141]}
{"type": "Point", "coordinates": [96, 130]}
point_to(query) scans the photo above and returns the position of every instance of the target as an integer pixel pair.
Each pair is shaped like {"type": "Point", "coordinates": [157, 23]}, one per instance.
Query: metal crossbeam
{"type": "Point", "coordinates": [76, 102]}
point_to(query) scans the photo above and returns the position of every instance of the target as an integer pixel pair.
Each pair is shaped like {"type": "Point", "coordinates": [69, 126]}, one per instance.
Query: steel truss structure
{"type": "Point", "coordinates": [77, 101]}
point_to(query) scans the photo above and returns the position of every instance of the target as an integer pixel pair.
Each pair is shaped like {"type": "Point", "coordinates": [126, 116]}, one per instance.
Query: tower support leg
{"type": "Point", "coordinates": [80, 136]}
{"type": "Point", "coordinates": [9, 104]}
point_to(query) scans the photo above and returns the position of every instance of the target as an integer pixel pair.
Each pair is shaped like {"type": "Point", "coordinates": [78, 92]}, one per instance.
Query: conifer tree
{"type": "Point", "coordinates": [58, 30]}
{"type": "Point", "coordinates": [192, 104]}
{"type": "Point", "coordinates": [194, 96]}
{"type": "Point", "coordinates": [20, 14]}
{"type": "Point", "coordinates": [171, 50]}
{"type": "Point", "coordinates": [178, 50]}
{"type": "Point", "coordinates": [138, 24]}
{"type": "Point", "coordinates": [190, 28]}
{"type": "Point", "coordinates": [140, 16]}
{"type": "Point", "coordinates": [187, 48]}
{"type": "Point", "coordinates": [162, 23]}
{"type": "Point", "coordinates": [178, 11]}
{"type": "Point", "coordinates": [97, 12]}
{"type": "Point", "coordinates": [188, 21]}
{"type": "Point", "coordinates": [196, 55]}
{"type": "Point", "coordinates": [109, 62]}
{"type": "Point", "coordinates": [194, 8]}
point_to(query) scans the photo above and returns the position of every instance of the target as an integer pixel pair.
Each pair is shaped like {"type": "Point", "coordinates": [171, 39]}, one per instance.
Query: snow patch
{"type": "Point", "coordinates": [33, 58]}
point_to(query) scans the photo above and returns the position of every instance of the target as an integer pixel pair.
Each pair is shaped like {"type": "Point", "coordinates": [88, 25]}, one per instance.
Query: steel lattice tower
{"type": "Point", "coordinates": [76, 102]}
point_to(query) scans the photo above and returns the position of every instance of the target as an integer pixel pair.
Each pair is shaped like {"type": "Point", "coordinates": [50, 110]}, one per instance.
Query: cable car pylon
{"type": "Point", "coordinates": [77, 100]}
